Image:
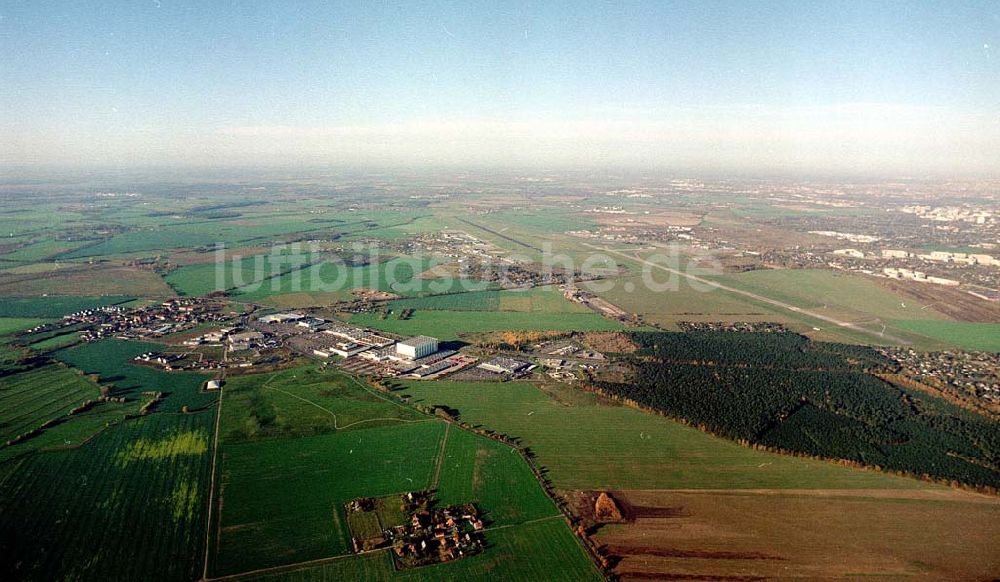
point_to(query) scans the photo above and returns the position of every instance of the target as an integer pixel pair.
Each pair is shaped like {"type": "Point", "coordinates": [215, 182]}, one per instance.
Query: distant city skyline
{"type": "Point", "coordinates": [873, 88]}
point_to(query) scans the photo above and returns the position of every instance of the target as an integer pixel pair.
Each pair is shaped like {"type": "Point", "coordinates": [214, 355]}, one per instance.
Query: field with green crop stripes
{"type": "Point", "coordinates": [31, 398]}
{"type": "Point", "coordinates": [128, 505]}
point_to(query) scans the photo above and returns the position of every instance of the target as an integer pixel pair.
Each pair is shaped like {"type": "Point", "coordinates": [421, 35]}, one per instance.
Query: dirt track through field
{"type": "Point", "coordinates": [440, 457]}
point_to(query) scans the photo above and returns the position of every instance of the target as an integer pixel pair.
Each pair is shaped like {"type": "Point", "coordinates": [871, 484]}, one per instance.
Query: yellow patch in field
{"type": "Point", "coordinates": [179, 444]}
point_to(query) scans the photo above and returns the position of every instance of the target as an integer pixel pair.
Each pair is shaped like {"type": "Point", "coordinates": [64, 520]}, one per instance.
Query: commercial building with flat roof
{"type": "Point", "coordinates": [417, 347]}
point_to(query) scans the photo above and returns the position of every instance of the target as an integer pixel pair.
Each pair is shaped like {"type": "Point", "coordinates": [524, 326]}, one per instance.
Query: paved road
{"type": "Point", "coordinates": [761, 298]}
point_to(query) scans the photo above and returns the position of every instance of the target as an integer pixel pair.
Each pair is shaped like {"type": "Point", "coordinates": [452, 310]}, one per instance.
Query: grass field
{"type": "Point", "coordinates": [303, 401]}
{"type": "Point", "coordinates": [449, 324]}
{"type": "Point", "coordinates": [112, 361]}
{"type": "Point", "coordinates": [547, 299]}
{"type": "Point", "coordinates": [43, 249]}
{"type": "Point", "coordinates": [31, 398]}
{"type": "Point", "coordinates": [98, 513]}
{"type": "Point", "coordinates": [9, 325]}
{"type": "Point", "coordinates": [684, 303]}
{"type": "Point", "coordinates": [587, 445]}
{"type": "Point", "coordinates": [471, 301]}
{"type": "Point", "coordinates": [830, 293]}
{"type": "Point", "coordinates": [98, 280]}
{"type": "Point", "coordinates": [544, 550]}
{"type": "Point", "coordinates": [283, 498]}
{"type": "Point", "coordinates": [395, 276]}
{"type": "Point", "coordinates": [493, 476]}
{"type": "Point", "coordinates": [200, 233]}
{"type": "Point", "coordinates": [51, 307]}
{"type": "Point", "coordinates": [969, 336]}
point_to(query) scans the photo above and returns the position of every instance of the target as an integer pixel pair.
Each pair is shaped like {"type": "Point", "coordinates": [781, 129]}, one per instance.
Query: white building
{"type": "Point", "coordinates": [417, 347]}
{"type": "Point", "coordinates": [281, 317]}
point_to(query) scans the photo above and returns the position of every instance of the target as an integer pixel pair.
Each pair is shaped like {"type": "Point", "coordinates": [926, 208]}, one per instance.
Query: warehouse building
{"type": "Point", "coordinates": [503, 365]}
{"type": "Point", "coordinates": [417, 347]}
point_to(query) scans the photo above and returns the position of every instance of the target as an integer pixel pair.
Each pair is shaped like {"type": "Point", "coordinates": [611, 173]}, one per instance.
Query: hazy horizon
{"type": "Point", "coordinates": [772, 88]}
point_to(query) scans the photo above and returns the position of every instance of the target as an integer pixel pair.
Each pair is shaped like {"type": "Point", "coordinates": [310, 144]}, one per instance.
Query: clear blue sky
{"type": "Point", "coordinates": [663, 83]}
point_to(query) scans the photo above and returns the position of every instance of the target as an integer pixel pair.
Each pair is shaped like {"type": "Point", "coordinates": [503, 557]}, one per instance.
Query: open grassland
{"type": "Point", "coordinates": [9, 325]}
{"type": "Point", "coordinates": [840, 295]}
{"type": "Point", "coordinates": [10, 358]}
{"type": "Point", "coordinates": [304, 401]}
{"type": "Point", "coordinates": [806, 535]}
{"type": "Point", "coordinates": [179, 233]}
{"type": "Point", "coordinates": [548, 299]}
{"type": "Point", "coordinates": [112, 361]}
{"type": "Point", "coordinates": [51, 307]}
{"type": "Point", "coordinates": [965, 335]}
{"type": "Point", "coordinates": [72, 431]}
{"type": "Point", "coordinates": [449, 324]}
{"type": "Point", "coordinates": [281, 500]}
{"type": "Point", "coordinates": [29, 399]}
{"type": "Point", "coordinates": [493, 476]}
{"type": "Point", "coordinates": [472, 301]}
{"type": "Point", "coordinates": [544, 550]}
{"type": "Point", "coordinates": [43, 249]}
{"type": "Point", "coordinates": [832, 294]}
{"type": "Point", "coordinates": [683, 302]}
{"type": "Point", "coordinates": [56, 342]}
{"type": "Point", "coordinates": [393, 276]}
{"type": "Point", "coordinates": [97, 280]}
{"type": "Point", "coordinates": [585, 444]}
{"type": "Point", "coordinates": [99, 512]}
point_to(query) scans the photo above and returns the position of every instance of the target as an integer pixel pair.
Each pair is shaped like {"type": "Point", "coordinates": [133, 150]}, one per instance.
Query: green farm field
{"type": "Point", "coordinates": [543, 550]}
{"type": "Point", "coordinates": [281, 499]}
{"type": "Point", "coordinates": [831, 293]}
{"type": "Point", "coordinates": [965, 335]}
{"type": "Point", "coordinates": [585, 444]}
{"type": "Point", "coordinates": [9, 325]}
{"type": "Point", "coordinates": [304, 401]}
{"type": "Point", "coordinates": [54, 307]}
{"type": "Point", "coordinates": [548, 299]}
{"type": "Point", "coordinates": [31, 398]}
{"type": "Point", "coordinates": [129, 505]}
{"type": "Point", "coordinates": [111, 360]}
{"type": "Point", "coordinates": [95, 281]}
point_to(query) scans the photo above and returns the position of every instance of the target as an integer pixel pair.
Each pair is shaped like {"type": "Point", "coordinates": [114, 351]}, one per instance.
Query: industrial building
{"type": "Point", "coordinates": [504, 365]}
{"type": "Point", "coordinates": [417, 347]}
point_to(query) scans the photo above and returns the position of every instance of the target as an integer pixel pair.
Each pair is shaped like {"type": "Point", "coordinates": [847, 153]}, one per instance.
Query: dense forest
{"type": "Point", "coordinates": [786, 392]}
